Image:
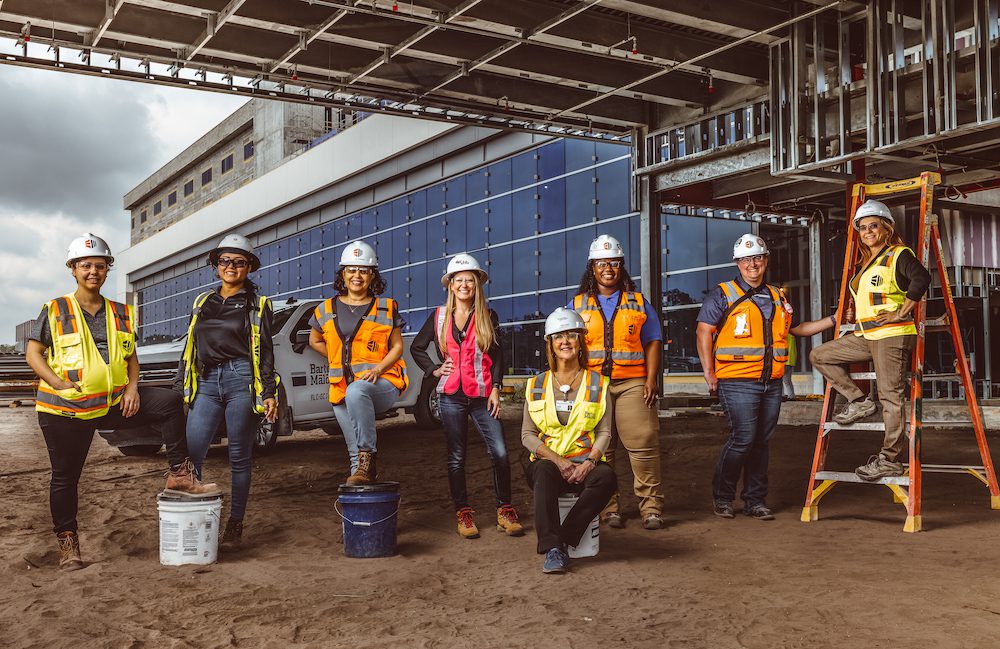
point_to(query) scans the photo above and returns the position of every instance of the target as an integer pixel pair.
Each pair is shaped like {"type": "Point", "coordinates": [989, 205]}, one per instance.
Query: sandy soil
{"type": "Point", "coordinates": [852, 579]}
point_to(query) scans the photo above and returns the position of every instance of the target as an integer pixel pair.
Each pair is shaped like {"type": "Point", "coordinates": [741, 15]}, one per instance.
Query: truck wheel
{"type": "Point", "coordinates": [426, 410]}
{"type": "Point", "coordinates": [140, 450]}
{"type": "Point", "coordinates": [268, 433]}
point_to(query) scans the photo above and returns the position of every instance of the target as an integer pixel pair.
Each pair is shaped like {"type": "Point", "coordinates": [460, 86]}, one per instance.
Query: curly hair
{"type": "Point", "coordinates": [588, 283]}
{"type": "Point", "coordinates": [377, 287]}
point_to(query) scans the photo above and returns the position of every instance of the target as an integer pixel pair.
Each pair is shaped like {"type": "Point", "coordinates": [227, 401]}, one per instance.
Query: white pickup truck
{"type": "Point", "coordinates": [302, 395]}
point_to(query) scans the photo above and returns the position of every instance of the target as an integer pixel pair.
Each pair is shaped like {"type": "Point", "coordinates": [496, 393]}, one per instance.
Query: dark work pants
{"type": "Point", "coordinates": [456, 410]}
{"type": "Point", "coordinates": [68, 442]}
{"type": "Point", "coordinates": [547, 483]}
{"type": "Point", "coordinates": [752, 409]}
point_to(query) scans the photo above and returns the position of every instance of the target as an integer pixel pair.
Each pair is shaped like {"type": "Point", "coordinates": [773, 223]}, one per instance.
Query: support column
{"type": "Point", "coordinates": [817, 282]}
{"type": "Point", "coordinates": [644, 201]}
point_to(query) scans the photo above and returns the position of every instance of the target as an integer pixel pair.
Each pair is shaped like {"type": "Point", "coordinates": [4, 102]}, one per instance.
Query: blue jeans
{"type": "Point", "coordinates": [356, 414]}
{"type": "Point", "coordinates": [752, 408]}
{"type": "Point", "coordinates": [455, 412]}
{"type": "Point", "coordinates": [224, 393]}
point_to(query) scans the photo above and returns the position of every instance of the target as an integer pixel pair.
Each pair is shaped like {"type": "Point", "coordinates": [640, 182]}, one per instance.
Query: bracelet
{"type": "Point", "coordinates": [833, 319]}
{"type": "Point", "coordinates": [592, 461]}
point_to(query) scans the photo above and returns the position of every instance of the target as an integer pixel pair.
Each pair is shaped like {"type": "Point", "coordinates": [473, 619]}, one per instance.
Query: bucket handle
{"type": "Point", "coordinates": [336, 508]}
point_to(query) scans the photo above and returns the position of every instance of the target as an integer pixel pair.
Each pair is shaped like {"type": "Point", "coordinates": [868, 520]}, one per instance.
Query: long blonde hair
{"type": "Point", "coordinates": [891, 239]}
{"type": "Point", "coordinates": [485, 336]}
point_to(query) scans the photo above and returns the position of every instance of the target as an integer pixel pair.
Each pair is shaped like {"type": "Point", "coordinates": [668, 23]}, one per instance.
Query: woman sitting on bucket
{"type": "Point", "coordinates": [567, 433]}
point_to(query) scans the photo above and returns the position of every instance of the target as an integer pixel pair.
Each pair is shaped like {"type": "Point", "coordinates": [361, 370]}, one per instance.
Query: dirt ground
{"type": "Point", "coordinates": [852, 579]}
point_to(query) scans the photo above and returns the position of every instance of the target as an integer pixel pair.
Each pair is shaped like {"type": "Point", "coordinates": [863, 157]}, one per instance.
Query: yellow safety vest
{"type": "Point", "coordinates": [575, 439]}
{"type": "Point", "coordinates": [191, 361]}
{"type": "Point", "coordinates": [75, 357]}
{"type": "Point", "coordinates": [877, 293]}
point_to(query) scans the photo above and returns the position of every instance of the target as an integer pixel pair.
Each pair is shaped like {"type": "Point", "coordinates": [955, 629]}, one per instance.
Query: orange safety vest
{"type": "Point", "coordinates": [472, 365]}
{"type": "Point", "coordinates": [616, 350]}
{"type": "Point", "coordinates": [369, 344]}
{"type": "Point", "coordinates": [744, 341]}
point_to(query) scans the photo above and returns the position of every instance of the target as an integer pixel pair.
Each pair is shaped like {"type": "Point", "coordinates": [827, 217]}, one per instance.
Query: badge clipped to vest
{"type": "Point", "coordinates": [563, 406]}
{"type": "Point", "coordinates": [742, 327]}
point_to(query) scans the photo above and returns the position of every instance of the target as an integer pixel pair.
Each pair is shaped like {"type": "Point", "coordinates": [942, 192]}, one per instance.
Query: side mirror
{"type": "Point", "coordinates": [300, 340]}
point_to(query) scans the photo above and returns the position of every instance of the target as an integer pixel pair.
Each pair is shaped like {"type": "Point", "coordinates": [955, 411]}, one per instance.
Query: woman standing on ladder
{"type": "Point", "coordinates": [227, 371]}
{"type": "Point", "coordinates": [359, 333]}
{"type": "Point", "coordinates": [625, 344]}
{"type": "Point", "coordinates": [888, 285]}
{"type": "Point", "coordinates": [466, 334]}
{"type": "Point", "coordinates": [83, 351]}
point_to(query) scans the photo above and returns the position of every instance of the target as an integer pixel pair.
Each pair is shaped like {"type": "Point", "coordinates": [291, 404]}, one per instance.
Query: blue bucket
{"type": "Point", "coordinates": [369, 516]}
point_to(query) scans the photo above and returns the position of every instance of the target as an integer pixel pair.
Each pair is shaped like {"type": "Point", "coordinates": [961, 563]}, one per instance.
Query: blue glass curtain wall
{"type": "Point", "coordinates": [529, 219]}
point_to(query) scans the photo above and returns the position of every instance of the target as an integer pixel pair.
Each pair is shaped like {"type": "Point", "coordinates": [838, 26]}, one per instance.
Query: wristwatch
{"type": "Point", "coordinates": [592, 460]}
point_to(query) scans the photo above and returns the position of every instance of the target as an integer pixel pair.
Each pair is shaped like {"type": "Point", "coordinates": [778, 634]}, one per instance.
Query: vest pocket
{"type": "Point", "coordinates": [126, 342]}
{"type": "Point", "coordinates": [631, 322]}
{"type": "Point", "coordinates": [70, 350]}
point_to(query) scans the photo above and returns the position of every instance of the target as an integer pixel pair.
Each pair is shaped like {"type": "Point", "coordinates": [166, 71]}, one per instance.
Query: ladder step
{"type": "Point", "coordinates": [863, 376]}
{"type": "Point", "coordinates": [954, 376]}
{"type": "Point", "coordinates": [858, 425]}
{"type": "Point", "coordinates": [847, 476]}
{"type": "Point", "coordinates": [936, 328]}
{"type": "Point", "coordinates": [949, 468]}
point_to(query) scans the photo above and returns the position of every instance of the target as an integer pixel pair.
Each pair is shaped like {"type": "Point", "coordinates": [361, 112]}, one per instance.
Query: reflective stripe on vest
{"type": "Point", "coordinates": [255, 317]}
{"type": "Point", "coordinates": [74, 357]}
{"type": "Point", "coordinates": [575, 439]}
{"type": "Point", "coordinates": [879, 293]}
{"type": "Point", "coordinates": [367, 349]}
{"type": "Point", "coordinates": [626, 357]}
{"type": "Point", "coordinates": [473, 367]}
{"type": "Point", "coordinates": [740, 348]}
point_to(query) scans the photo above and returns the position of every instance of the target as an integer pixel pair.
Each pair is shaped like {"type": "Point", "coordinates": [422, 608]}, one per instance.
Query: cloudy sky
{"type": "Point", "coordinates": [70, 147]}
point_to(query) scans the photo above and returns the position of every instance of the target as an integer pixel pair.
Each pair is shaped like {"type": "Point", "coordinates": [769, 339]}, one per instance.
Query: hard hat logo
{"type": "Point", "coordinates": [90, 243]}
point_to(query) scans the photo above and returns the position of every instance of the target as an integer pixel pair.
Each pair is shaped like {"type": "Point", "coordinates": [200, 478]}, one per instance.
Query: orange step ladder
{"type": "Point", "coordinates": [906, 489]}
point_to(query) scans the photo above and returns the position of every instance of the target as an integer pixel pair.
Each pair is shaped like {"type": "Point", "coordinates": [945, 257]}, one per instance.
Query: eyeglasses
{"type": "Point", "coordinates": [463, 280]}
{"type": "Point", "coordinates": [752, 258]}
{"type": "Point", "coordinates": [360, 270]}
{"type": "Point", "coordinates": [88, 266]}
{"type": "Point", "coordinates": [226, 262]}
{"type": "Point", "coordinates": [602, 264]}
{"type": "Point", "coordinates": [566, 336]}
{"type": "Point", "coordinates": [870, 227]}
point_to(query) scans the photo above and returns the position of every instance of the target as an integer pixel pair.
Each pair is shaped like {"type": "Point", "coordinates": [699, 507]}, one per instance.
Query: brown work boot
{"type": "Point", "coordinates": [183, 482]}
{"type": "Point", "coordinates": [466, 525]}
{"type": "Point", "coordinates": [232, 538]}
{"type": "Point", "coordinates": [69, 551]}
{"type": "Point", "coordinates": [507, 521]}
{"type": "Point", "coordinates": [365, 473]}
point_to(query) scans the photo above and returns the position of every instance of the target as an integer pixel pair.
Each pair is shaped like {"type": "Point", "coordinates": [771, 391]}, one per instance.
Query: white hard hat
{"type": "Point", "coordinates": [463, 262]}
{"type": "Point", "coordinates": [359, 253]}
{"type": "Point", "coordinates": [235, 243]}
{"type": "Point", "coordinates": [88, 245]}
{"type": "Point", "coordinates": [873, 208]}
{"type": "Point", "coordinates": [606, 247]}
{"type": "Point", "coordinates": [563, 319]}
{"type": "Point", "coordinates": [749, 245]}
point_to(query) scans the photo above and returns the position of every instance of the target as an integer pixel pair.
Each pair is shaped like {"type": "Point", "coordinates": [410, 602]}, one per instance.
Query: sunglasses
{"type": "Point", "coordinates": [226, 262]}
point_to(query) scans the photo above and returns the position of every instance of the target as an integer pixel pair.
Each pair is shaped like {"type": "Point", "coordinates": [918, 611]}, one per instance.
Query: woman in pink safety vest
{"type": "Point", "coordinates": [465, 334]}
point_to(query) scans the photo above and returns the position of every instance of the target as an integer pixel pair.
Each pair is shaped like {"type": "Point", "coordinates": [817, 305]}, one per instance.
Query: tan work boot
{"type": "Point", "coordinates": [69, 551]}
{"type": "Point", "coordinates": [507, 521]}
{"type": "Point", "coordinates": [466, 525]}
{"type": "Point", "coordinates": [365, 473]}
{"type": "Point", "coordinates": [182, 482]}
{"type": "Point", "coordinates": [232, 538]}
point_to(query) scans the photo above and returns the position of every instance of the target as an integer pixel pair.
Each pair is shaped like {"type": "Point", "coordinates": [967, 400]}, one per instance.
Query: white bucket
{"type": "Point", "coordinates": [189, 530]}
{"type": "Point", "coordinates": [590, 543]}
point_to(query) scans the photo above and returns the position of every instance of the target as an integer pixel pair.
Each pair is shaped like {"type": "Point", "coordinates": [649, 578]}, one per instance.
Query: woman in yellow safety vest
{"type": "Point", "coordinates": [625, 343]}
{"type": "Point", "coordinates": [360, 335]}
{"type": "Point", "coordinates": [227, 371]}
{"type": "Point", "coordinates": [887, 286]}
{"type": "Point", "coordinates": [465, 333]}
{"type": "Point", "coordinates": [567, 433]}
{"type": "Point", "coordinates": [83, 350]}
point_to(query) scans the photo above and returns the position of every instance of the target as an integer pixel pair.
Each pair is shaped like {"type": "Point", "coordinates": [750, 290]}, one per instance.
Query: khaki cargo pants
{"type": "Point", "coordinates": [638, 429]}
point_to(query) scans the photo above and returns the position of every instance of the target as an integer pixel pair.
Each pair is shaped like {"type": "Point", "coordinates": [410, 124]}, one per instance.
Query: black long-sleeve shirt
{"type": "Point", "coordinates": [222, 333]}
{"type": "Point", "coordinates": [428, 336]}
{"type": "Point", "coordinates": [911, 276]}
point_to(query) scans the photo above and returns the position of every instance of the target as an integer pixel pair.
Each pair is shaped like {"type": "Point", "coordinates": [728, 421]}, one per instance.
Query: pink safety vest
{"type": "Point", "coordinates": [472, 364]}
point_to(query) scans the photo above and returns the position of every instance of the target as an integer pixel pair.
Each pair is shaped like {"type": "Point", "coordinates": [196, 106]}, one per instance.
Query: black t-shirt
{"type": "Point", "coordinates": [97, 324]}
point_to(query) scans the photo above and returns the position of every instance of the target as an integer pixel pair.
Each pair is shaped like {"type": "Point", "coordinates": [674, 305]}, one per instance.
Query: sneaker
{"type": "Point", "coordinates": [232, 538]}
{"type": "Point", "coordinates": [759, 511]}
{"type": "Point", "coordinates": [365, 473]}
{"type": "Point", "coordinates": [556, 561]}
{"type": "Point", "coordinates": [724, 509]}
{"type": "Point", "coordinates": [652, 522]}
{"type": "Point", "coordinates": [69, 551]}
{"type": "Point", "coordinates": [878, 467]}
{"type": "Point", "coordinates": [613, 519]}
{"type": "Point", "coordinates": [507, 521]}
{"type": "Point", "coordinates": [182, 481]}
{"type": "Point", "coordinates": [466, 525]}
{"type": "Point", "coordinates": [855, 411]}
